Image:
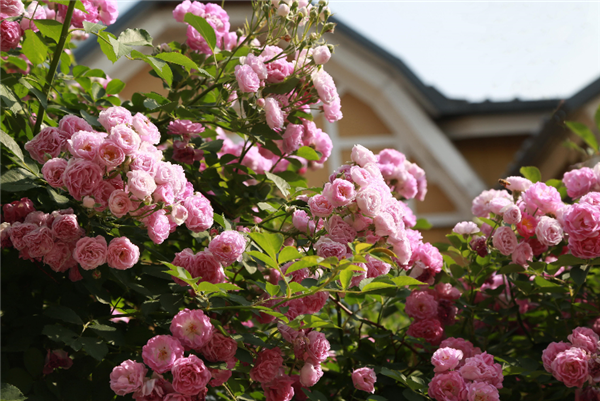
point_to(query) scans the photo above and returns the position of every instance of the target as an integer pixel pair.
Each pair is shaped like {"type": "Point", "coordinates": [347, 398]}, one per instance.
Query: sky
{"type": "Point", "coordinates": [480, 50]}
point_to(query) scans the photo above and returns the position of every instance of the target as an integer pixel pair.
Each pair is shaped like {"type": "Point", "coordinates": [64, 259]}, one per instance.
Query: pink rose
{"type": "Point", "coordinates": [114, 116]}
{"type": "Point", "coordinates": [317, 348]}
{"type": "Point", "coordinates": [59, 258]}
{"type": "Point", "coordinates": [429, 329]}
{"type": "Point", "coordinates": [571, 367]}
{"type": "Point", "coordinates": [279, 389]}
{"type": "Point", "coordinates": [17, 231]}
{"type": "Point", "coordinates": [505, 240]}
{"type": "Point", "coordinates": [292, 138]}
{"type": "Point", "coordinates": [339, 230]}
{"type": "Point", "coordinates": [519, 184]}
{"type": "Point", "coordinates": [364, 379]}
{"type": "Point", "coordinates": [321, 55]}
{"type": "Point", "coordinates": [339, 193]}
{"type": "Point", "coordinates": [481, 204]}
{"type": "Point", "coordinates": [522, 254]}
{"type": "Point", "coordinates": [219, 377]}
{"type": "Point", "coordinates": [39, 242]}
{"type": "Point", "coordinates": [161, 352]}
{"type": "Point", "coordinates": [190, 376]}
{"type": "Point", "coordinates": [361, 155]}
{"type": "Point", "coordinates": [585, 249]}
{"type": "Point", "coordinates": [147, 131]}
{"type": "Point", "coordinates": [200, 213]}
{"type": "Point", "coordinates": [511, 214]}
{"type": "Point", "coordinates": [193, 328]}
{"type": "Point", "coordinates": [320, 206]}
{"type": "Point", "coordinates": [548, 231]}
{"type": "Point", "coordinates": [465, 228]}
{"type": "Point", "coordinates": [314, 303]}
{"type": "Point", "coordinates": [421, 305]}
{"type": "Point", "coordinates": [302, 222]}
{"type": "Point", "coordinates": [481, 368]}
{"type": "Point", "coordinates": [119, 203]}
{"type": "Point", "coordinates": [325, 87]}
{"type": "Point", "coordinates": [127, 377]}
{"type": "Point", "coordinates": [53, 170]}
{"type": "Point", "coordinates": [84, 144]}
{"type": "Point", "coordinates": [541, 199]}
{"type": "Point", "coordinates": [267, 365]}
{"type": "Point", "coordinates": [125, 138]}
{"type": "Point", "coordinates": [17, 210]}
{"type": "Point", "coordinates": [228, 246]}
{"type": "Point", "coordinates": [448, 386]}
{"type": "Point", "coordinates": [581, 221]}
{"type": "Point", "coordinates": [480, 391]}
{"type": "Point", "coordinates": [310, 374]}
{"type": "Point", "coordinates": [49, 141]}
{"type": "Point", "coordinates": [65, 227]}
{"type": "Point", "coordinates": [110, 155]}
{"type": "Point", "coordinates": [71, 124]}
{"type": "Point", "coordinates": [369, 201]}
{"type": "Point", "coordinates": [461, 344]}
{"type": "Point", "coordinates": [140, 184]}
{"type": "Point", "coordinates": [122, 254]}
{"type": "Point", "coordinates": [144, 162]}
{"type": "Point", "coordinates": [56, 359]}
{"type": "Point", "coordinates": [273, 113]}
{"type": "Point", "coordinates": [11, 8]}
{"type": "Point", "coordinates": [81, 177]}
{"type": "Point", "coordinates": [326, 247]}
{"type": "Point", "coordinates": [446, 359]}
{"type": "Point", "coordinates": [158, 226]}
{"type": "Point", "coordinates": [247, 79]}
{"type": "Point", "coordinates": [90, 252]}
{"type": "Point", "coordinates": [579, 182]}
{"type": "Point", "coordinates": [220, 348]}
{"type": "Point", "coordinates": [10, 32]}
{"type": "Point", "coordinates": [584, 338]}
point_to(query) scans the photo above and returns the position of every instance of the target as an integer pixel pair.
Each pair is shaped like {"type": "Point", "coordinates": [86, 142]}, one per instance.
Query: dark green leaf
{"type": "Point", "coordinates": [114, 87]}
{"type": "Point", "coordinates": [59, 333]}
{"type": "Point", "coordinates": [94, 347]}
{"type": "Point", "coordinates": [263, 258]}
{"type": "Point", "coordinates": [34, 48]}
{"type": "Point", "coordinates": [39, 95]}
{"type": "Point", "coordinates": [531, 173]}
{"type": "Point", "coordinates": [512, 268]}
{"type": "Point", "coordinates": [63, 313]}
{"type": "Point", "coordinates": [34, 361]}
{"type": "Point", "coordinates": [10, 143]}
{"type": "Point", "coordinates": [281, 88]}
{"type": "Point", "coordinates": [17, 179]}
{"type": "Point", "coordinates": [92, 120]}
{"type": "Point", "coordinates": [584, 132]}
{"type": "Point", "coordinates": [203, 28]}
{"type": "Point", "coordinates": [270, 243]}
{"type": "Point", "coordinates": [410, 395]}
{"type": "Point", "coordinates": [578, 275]}
{"type": "Point", "coordinates": [50, 28]}
{"type": "Point", "coordinates": [9, 99]}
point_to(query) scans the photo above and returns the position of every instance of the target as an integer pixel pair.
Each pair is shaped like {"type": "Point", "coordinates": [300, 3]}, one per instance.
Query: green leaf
{"type": "Point", "coordinates": [39, 95]}
{"type": "Point", "coordinates": [119, 48]}
{"type": "Point", "coordinates": [10, 100]}
{"type": "Point", "coordinates": [50, 28]}
{"type": "Point", "coordinates": [308, 153]}
{"type": "Point", "coordinates": [59, 333]}
{"type": "Point", "coordinates": [379, 285]}
{"type": "Point", "coordinates": [578, 275]}
{"type": "Point", "coordinates": [34, 361]}
{"type": "Point", "coordinates": [92, 120]}
{"type": "Point", "coordinates": [8, 392]}
{"type": "Point", "coordinates": [457, 271]}
{"type": "Point", "coordinates": [179, 59]}
{"type": "Point", "coordinates": [93, 28]}
{"type": "Point", "coordinates": [272, 289]}
{"type": "Point", "coordinates": [94, 347]}
{"type": "Point", "coordinates": [79, 5]}
{"type": "Point", "coordinates": [548, 286]}
{"type": "Point", "coordinates": [296, 287]}
{"type": "Point", "coordinates": [106, 46]}
{"type": "Point", "coordinates": [280, 183]}
{"type": "Point", "coordinates": [410, 395]}
{"type": "Point", "coordinates": [553, 182]}
{"type": "Point", "coordinates": [63, 313]}
{"type": "Point", "coordinates": [270, 243]}
{"type": "Point", "coordinates": [584, 132]}
{"type": "Point", "coordinates": [512, 268]}
{"type": "Point", "coordinates": [531, 173]}
{"type": "Point", "coordinates": [597, 118]}
{"type": "Point", "coordinates": [281, 88]}
{"type": "Point", "coordinates": [17, 179]}
{"type": "Point", "coordinates": [114, 87]}
{"type": "Point", "coordinates": [34, 48]}
{"type": "Point", "coordinates": [203, 28]}
{"type": "Point", "coordinates": [288, 253]}
{"type": "Point", "coordinates": [346, 278]}
{"type": "Point", "coordinates": [307, 261]}
{"type": "Point", "coordinates": [65, 63]}
{"type": "Point", "coordinates": [207, 287]}
{"type": "Point", "coordinates": [263, 258]}
{"type": "Point", "coordinates": [422, 224]}
{"type": "Point", "coordinates": [135, 37]}
{"type": "Point", "coordinates": [401, 281]}
{"type": "Point", "coordinates": [10, 143]}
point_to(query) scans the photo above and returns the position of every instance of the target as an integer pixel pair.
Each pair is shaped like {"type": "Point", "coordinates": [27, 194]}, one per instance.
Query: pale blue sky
{"type": "Point", "coordinates": [484, 50]}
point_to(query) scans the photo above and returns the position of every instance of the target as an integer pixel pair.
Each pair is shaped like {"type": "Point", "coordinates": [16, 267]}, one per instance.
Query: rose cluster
{"type": "Point", "coordinates": [464, 373]}
{"type": "Point", "coordinates": [191, 330]}
{"type": "Point", "coordinates": [535, 219]}
{"type": "Point", "coordinates": [223, 250]}
{"type": "Point", "coordinates": [120, 172]}
{"type": "Point", "coordinates": [432, 309]}
{"type": "Point", "coordinates": [57, 240]}
{"type": "Point", "coordinates": [357, 204]}
{"type": "Point", "coordinates": [405, 179]}
{"type": "Point", "coordinates": [576, 362]}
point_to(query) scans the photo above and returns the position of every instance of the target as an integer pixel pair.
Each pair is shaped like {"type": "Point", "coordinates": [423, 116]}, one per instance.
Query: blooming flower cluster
{"type": "Point", "coordinates": [191, 330]}
{"type": "Point", "coordinates": [432, 309]}
{"type": "Point", "coordinates": [57, 239]}
{"type": "Point", "coordinates": [577, 362]}
{"type": "Point", "coordinates": [222, 251]}
{"type": "Point", "coordinates": [120, 172]}
{"type": "Point", "coordinates": [364, 379]}
{"type": "Point", "coordinates": [405, 179]}
{"type": "Point", "coordinates": [463, 372]}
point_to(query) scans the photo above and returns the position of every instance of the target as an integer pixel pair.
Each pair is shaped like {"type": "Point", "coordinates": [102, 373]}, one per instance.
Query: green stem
{"type": "Point", "coordinates": [54, 64]}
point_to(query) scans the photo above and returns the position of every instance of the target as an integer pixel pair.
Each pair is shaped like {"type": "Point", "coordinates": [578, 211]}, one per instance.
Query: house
{"type": "Point", "coordinates": [464, 147]}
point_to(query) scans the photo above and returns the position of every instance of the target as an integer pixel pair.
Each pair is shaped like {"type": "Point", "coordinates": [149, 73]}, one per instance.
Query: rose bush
{"type": "Point", "coordinates": [170, 248]}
